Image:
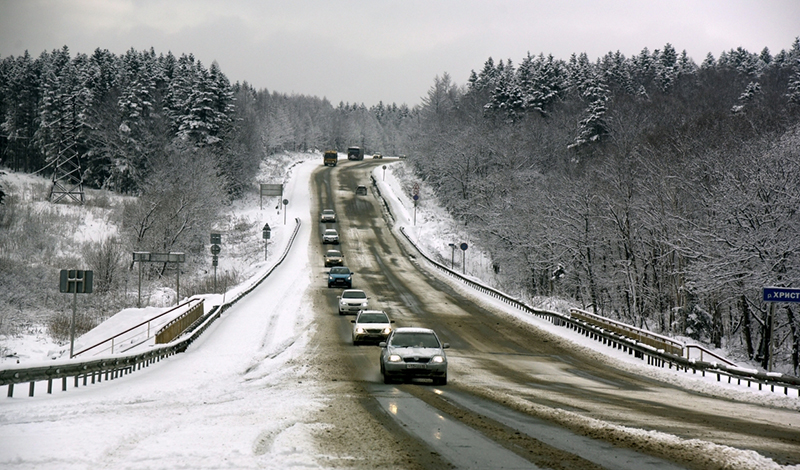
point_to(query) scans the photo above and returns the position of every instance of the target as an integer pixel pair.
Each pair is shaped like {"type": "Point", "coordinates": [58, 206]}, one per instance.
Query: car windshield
{"type": "Point", "coordinates": [373, 318]}
{"type": "Point", "coordinates": [333, 254]}
{"type": "Point", "coordinates": [415, 340]}
{"type": "Point", "coordinates": [327, 212]}
{"type": "Point", "coordinates": [355, 294]}
{"type": "Point", "coordinates": [340, 270]}
{"type": "Point", "coordinates": [330, 231]}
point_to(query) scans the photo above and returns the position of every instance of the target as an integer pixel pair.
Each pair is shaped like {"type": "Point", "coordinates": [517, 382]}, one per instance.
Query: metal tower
{"type": "Point", "coordinates": [67, 174]}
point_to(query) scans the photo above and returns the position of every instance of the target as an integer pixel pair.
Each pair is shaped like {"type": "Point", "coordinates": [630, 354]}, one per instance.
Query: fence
{"type": "Point", "coordinates": [177, 326]}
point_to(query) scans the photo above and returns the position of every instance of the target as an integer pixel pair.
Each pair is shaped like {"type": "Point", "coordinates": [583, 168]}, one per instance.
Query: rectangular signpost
{"type": "Point", "coordinates": [74, 281]}
{"type": "Point", "coordinates": [774, 295]}
{"type": "Point", "coordinates": [781, 294]}
{"type": "Point", "coordinates": [147, 257]}
{"type": "Point", "coordinates": [270, 190]}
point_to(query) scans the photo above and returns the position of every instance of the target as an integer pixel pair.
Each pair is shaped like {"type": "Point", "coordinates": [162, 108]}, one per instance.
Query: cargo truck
{"type": "Point", "coordinates": [355, 153]}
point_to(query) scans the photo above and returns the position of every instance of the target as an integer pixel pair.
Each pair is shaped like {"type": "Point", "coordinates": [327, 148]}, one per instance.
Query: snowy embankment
{"type": "Point", "coordinates": [34, 347]}
{"type": "Point", "coordinates": [230, 401]}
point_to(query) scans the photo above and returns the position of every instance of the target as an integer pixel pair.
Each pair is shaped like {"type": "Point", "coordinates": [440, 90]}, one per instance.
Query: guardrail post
{"type": "Point", "coordinates": [10, 390]}
{"type": "Point", "coordinates": [49, 386]}
{"type": "Point", "coordinates": [63, 384]}
{"type": "Point", "coordinates": [30, 390]}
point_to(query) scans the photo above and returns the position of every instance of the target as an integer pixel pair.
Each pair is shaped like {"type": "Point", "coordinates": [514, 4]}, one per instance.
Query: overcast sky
{"type": "Point", "coordinates": [366, 51]}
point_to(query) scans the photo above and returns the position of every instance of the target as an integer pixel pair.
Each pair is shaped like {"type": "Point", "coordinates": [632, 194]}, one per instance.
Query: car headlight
{"type": "Point", "coordinates": [359, 330]}
{"type": "Point", "coordinates": [363, 304]}
{"type": "Point", "coordinates": [437, 359]}
{"type": "Point", "coordinates": [342, 302]}
{"type": "Point", "coordinates": [387, 330]}
{"type": "Point", "coordinates": [395, 358]}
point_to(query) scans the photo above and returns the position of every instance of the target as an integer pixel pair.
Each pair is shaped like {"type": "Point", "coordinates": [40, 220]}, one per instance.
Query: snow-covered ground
{"type": "Point", "coordinates": [242, 385]}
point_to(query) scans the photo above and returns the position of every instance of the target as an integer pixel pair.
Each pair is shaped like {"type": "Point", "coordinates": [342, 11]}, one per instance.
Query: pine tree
{"type": "Point", "coordinates": [20, 96]}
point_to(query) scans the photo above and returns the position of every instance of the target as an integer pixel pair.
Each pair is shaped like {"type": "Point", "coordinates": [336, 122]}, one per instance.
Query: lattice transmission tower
{"type": "Point", "coordinates": [67, 174]}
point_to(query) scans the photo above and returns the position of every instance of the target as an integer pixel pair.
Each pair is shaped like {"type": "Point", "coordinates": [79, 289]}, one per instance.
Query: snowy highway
{"type": "Point", "coordinates": [276, 382]}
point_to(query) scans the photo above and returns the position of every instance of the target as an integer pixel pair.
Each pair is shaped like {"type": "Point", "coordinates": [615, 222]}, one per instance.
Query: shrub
{"type": "Point", "coordinates": [58, 325]}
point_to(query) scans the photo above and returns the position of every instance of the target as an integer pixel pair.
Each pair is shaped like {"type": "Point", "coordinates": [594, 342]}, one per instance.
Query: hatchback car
{"type": "Point", "coordinates": [377, 156]}
{"type": "Point", "coordinates": [352, 301]}
{"type": "Point", "coordinates": [413, 352]}
{"type": "Point", "coordinates": [330, 236]}
{"type": "Point", "coordinates": [371, 325]}
{"type": "Point", "coordinates": [327, 216]}
{"type": "Point", "coordinates": [333, 258]}
{"type": "Point", "coordinates": [340, 276]}
{"type": "Point", "coordinates": [361, 190]}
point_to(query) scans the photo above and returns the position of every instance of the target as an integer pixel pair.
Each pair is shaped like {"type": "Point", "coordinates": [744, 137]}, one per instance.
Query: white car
{"type": "Point", "coordinates": [371, 325]}
{"type": "Point", "coordinates": [330, 236]}
{"type": "Point", "coordinates": [352, 301]}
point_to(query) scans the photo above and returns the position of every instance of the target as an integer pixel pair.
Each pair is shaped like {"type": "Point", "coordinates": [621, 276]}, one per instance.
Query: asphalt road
{"type": "Point", "coordinates": [517, 397]}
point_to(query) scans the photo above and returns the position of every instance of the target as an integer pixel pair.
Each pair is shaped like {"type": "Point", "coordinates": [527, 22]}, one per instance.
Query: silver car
{"type": "Point", "coordinates": [352, 301]}
{"type": "Point", "coordinates": [330, 236]}
{"type": "Point", "coordinates": [411, 352]}
{"type": "Point", "coordinates": [371, 325]}
{"type": "Point", "coordinates": [327, 216]}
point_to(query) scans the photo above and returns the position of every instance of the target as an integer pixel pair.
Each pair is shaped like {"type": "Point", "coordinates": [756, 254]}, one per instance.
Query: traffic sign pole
{"type": "Point", "coordinates": [464, 247]}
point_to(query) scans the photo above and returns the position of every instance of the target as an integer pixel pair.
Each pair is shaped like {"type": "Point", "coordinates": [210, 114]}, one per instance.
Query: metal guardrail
{"type": "Point", "coordinates": [655, 356]}
{"type": "Point", "coordinates": [97, 370]}
{"type": "Point", "coordinates": [655, 340]}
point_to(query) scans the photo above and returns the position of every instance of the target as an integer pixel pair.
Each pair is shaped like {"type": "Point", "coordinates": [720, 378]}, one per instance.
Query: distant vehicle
{"type": "Point", "coordinates": [361, 190]}
{"type": "Point", "coordinates": [330, 158]}
{"type": "Point", "coordinates": [333, 258]}
{"type": "Point", "coordinates": [340, 275]}
{"type": "Point", "coordinates": [330, 236]}
{"type": "Point", "coordinates": [377, 156]}
{"type": "Point", "coordinates": [327, 216]}
{"type": "Point", "coordinates": [413, 352]}
{"type": "Point", "coordinates": [371, 325]}
{"type": "Point", "coordinates": [402, 156]}
{"type": "Point", "coordinates": [355, 153]}
{"type": "Point", "coordinates": [352, 301]}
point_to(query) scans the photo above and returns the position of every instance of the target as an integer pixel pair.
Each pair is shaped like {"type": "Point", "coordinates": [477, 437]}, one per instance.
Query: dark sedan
{"type": "Point", "coordinates": [340, 276]}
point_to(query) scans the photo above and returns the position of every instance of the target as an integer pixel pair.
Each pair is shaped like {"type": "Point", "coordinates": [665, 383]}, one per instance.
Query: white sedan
{"type": "Point", "coordinates": [352, 301]}
{"type": "Point", "coordinates": [371, 325]}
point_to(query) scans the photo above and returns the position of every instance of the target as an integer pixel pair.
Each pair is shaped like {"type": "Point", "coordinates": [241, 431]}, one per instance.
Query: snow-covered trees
{"type": "Point", "coordinates": [664, 208]}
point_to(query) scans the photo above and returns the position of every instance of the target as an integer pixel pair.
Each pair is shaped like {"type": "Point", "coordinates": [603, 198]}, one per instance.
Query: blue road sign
{"type": "Point", "coordinates": [781, 294]}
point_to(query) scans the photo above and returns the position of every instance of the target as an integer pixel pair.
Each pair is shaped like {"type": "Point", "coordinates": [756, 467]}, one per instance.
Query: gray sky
{"type": "Point", "coordinates": [365, 51]}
